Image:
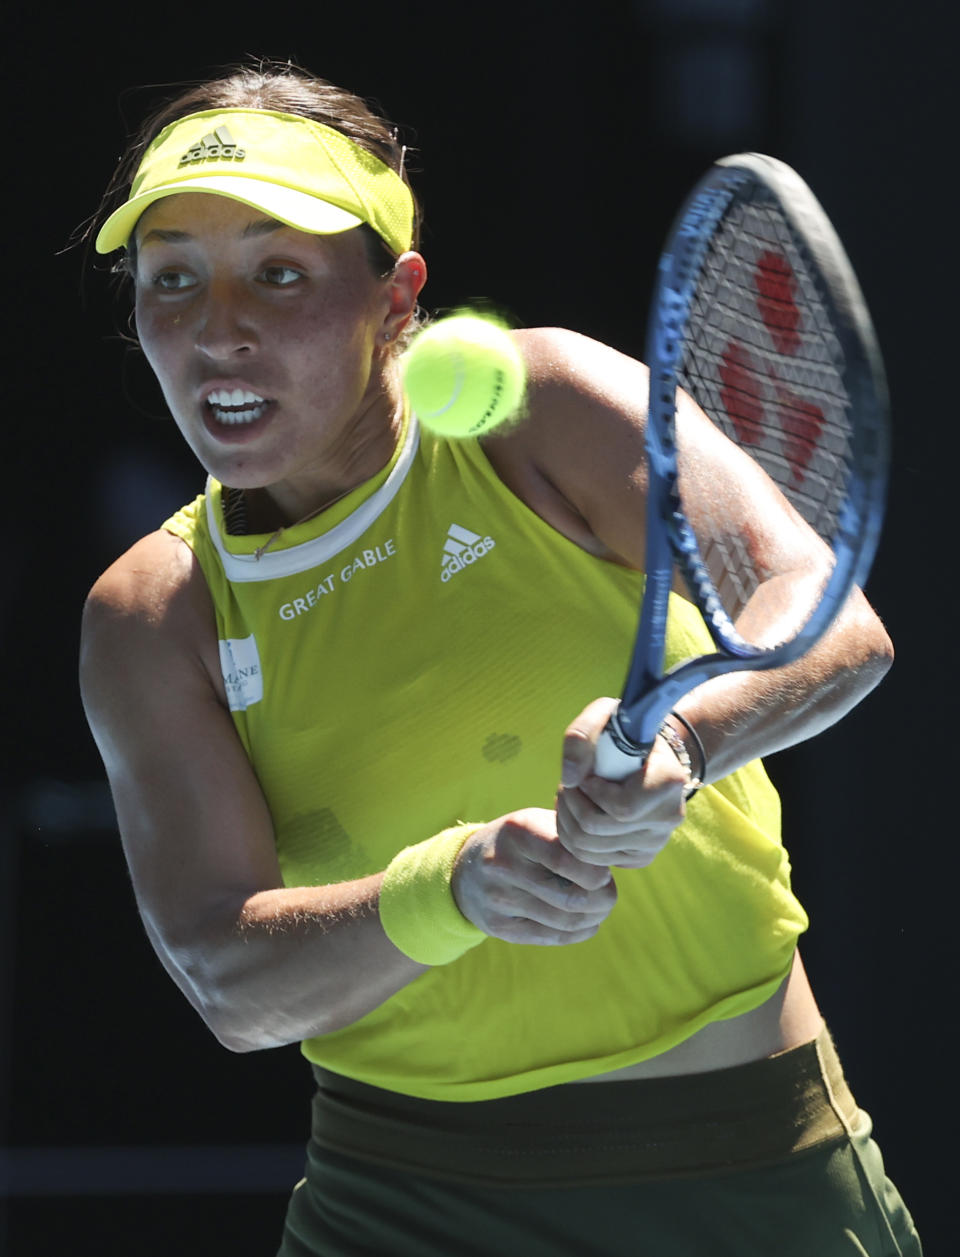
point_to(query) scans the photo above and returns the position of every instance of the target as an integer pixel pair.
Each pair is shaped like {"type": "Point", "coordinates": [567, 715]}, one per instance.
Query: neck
{"type": "Point", "coordinates": [274, 508]}
{"type": "Point", "coordinates": [362, 452]}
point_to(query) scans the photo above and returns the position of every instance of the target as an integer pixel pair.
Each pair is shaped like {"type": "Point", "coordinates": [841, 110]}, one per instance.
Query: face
{"type": "Point", "coordinates": [268, 344]}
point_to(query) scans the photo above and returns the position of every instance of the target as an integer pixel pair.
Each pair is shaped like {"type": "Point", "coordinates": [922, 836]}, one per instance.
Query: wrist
{"type": "Point", "coordinates": [685, 744]}
{"type": "Point", "coordinates": [417, 909]}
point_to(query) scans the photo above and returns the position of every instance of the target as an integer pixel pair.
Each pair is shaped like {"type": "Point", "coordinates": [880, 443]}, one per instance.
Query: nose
{"type": "Point", "coordinates": [225, 325]}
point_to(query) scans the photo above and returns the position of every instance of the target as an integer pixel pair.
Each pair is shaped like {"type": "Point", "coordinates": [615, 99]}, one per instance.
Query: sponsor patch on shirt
{"type": "Point", "coordinates": [242, 674]}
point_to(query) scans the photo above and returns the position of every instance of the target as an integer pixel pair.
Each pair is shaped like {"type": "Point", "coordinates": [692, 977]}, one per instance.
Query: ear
{"type": "Point", "coordinates": [404, 286]}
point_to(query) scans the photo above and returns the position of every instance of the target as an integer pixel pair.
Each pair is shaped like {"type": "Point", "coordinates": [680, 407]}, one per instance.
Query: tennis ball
{"type": "Point", "coordinates": [463, 375]}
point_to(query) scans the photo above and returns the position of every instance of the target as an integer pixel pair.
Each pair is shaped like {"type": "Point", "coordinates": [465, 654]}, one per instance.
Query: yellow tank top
{"type": "Point", "coordinates": [409, 660]}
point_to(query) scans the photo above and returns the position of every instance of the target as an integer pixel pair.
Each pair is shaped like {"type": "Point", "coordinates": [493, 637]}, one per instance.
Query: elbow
{"type": "Point", "coordinates": [240, 1039]}
{"type": "Point", "coordinates": [245, 1017]}
{"type": "Point", "coordinates": [882, 658]}
{"type": "Point", "coordinates": [237, 1014]}
{"type": "Point", "coordinates": [242, 1029]}
{"type": "Point", "coordinates": [877, 649]}
{"type": "Point", "coordinates": [249, 998]}
{"type": "Point", "coordinates": [231, 1025]}
{"type": "Point", "coordinates": [869, 654]}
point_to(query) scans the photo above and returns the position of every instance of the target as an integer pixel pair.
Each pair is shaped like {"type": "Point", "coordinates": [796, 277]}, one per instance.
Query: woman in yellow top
{"type": "Point", "coordinates": [546, 1013]}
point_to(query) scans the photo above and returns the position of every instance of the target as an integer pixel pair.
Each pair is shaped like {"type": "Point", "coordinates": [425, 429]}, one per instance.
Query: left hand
{"type": "Point", "coordinates": [622, 823]}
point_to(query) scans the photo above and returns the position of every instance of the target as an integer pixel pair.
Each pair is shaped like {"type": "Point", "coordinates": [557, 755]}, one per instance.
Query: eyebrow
{"type": "Point", "coordinates": [259, 227]}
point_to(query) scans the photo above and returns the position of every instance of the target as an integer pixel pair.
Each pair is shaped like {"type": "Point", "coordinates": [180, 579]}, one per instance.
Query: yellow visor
{"type": "Point", "coordinates": [300, 172]}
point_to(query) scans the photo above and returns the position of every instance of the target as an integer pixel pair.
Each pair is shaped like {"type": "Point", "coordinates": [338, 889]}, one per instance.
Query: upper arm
{"type": "Point", "coordinates": [195, 826]}
{"type": "Point", "coordinates": [581, 450]}
{"type": "Point", "coordinates": [579, 460]}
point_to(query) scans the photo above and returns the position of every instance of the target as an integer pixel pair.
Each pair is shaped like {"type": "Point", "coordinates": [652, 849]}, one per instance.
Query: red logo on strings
{"type": "Point", "coordinates": [775, 284]}
{"type": "Point", "coordinates": [744, 386]}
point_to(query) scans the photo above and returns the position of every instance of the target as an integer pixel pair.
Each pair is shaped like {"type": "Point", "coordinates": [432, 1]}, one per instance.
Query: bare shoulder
{"type": "Point", "coordinates": [195, 826]}
{"type": "Point", "coordinates": [577, 458]}
{"type": "Point", "coordinates": [156, 575]}
{"type": "Point", "coordinates": [576, 382]}
{"type": "Point", "coordinates": [148, 628]}
{"type": "Point", "coordinates": [562, 356]}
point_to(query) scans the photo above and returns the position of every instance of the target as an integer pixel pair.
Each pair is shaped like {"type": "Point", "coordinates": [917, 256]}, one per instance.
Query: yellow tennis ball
{"type": "Point", "coordinates": [464, 375]}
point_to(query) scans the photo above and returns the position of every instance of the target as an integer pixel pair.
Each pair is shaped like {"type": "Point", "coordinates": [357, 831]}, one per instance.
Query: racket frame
{"type": "Point", "coordinates": [648, 694]}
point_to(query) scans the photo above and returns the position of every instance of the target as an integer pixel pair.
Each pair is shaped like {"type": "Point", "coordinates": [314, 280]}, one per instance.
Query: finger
{"type": "Point", "coordinates": [560, 919]}
{"type": "Point", "coordinates": [580, 740]}
{"type": "Point", "coordinates": [580, 819]}
{"type": "Point", "coordinates": [532, 932]}
{"type": "Point", "coordinates": [662, 777]}
{"type": "Point", "coordinates": [563, 895]}
{"type": "Point", "coordinates": [633, 851]}
{"type": "Point", "coordinates": [622, 847]}
{"type": "Point", "coordinates": [572, 836]}
{"type": "Point", "coordinates": [552, 856]}
{"type": "Point", "coordinates": [508, 902]}
{"type": "Point", "coordinates": [641, 851]}
{"type": "Point", "coordinates": [634, 859]}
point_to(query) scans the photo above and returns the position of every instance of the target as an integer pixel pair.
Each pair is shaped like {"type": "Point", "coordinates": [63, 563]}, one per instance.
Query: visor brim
{"type": "Point", "coordinates": [296, 209]}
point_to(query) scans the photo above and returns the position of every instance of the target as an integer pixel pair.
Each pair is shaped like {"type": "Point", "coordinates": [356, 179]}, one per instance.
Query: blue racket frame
{"type": "Point", "coordinates": [648, 694]}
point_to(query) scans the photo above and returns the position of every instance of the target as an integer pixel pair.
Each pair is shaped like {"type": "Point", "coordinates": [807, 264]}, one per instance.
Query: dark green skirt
{"type": "Point", "coordinates": [771, 1158]}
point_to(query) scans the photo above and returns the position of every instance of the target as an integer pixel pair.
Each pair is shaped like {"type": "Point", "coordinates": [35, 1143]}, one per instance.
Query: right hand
{"type": "Point", "coordinates": [515, 881]}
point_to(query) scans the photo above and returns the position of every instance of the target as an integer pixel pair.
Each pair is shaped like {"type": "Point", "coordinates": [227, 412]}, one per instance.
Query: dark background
{"type": "Point", "coordinates": [553, 145]}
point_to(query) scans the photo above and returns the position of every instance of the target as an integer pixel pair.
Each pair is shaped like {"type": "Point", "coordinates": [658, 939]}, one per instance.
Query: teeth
{"type": "Point", "coordinates": [245, 407]}
{"type": "Point", "coordinates": [237, 416]}
{"type": "Point", "coordinates": [234, 397]}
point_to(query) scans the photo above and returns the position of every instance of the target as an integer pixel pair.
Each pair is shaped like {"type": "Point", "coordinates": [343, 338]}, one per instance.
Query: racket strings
{"type": "Point", "coordinates": [762, 360]}
{"type": "Point", "coordinates": [733, 570]}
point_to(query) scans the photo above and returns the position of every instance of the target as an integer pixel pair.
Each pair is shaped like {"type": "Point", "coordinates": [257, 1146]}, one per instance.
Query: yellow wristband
{"type": "Point", "coordinates": [417, 909]}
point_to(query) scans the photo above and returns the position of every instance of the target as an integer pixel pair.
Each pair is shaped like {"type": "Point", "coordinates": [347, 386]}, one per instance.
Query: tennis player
{"type": "Point", "coordinates": [546, 1014]}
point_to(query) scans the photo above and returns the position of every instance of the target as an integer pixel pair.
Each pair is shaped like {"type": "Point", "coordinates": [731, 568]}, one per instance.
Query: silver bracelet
{"type": "Point", "coordinates": [701, 773]}
{"type": "Point", "coordinates": [679, 748]}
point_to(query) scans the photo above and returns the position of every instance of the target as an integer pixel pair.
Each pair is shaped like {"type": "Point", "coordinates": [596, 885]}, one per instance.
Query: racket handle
{"type": "Point", "coordinates": [616, 757]}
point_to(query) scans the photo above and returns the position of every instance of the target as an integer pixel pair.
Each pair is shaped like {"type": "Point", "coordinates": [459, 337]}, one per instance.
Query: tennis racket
{"type": "Point", "coordinates": [757, 314]}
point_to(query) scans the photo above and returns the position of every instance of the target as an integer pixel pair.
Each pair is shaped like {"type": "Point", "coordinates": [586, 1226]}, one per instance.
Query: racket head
{"type": "Point", "coordinates": [757, 315]}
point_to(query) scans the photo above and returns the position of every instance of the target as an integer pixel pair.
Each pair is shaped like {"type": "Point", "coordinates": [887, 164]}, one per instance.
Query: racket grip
{"type": "Point", "coordinates": [616, 758]}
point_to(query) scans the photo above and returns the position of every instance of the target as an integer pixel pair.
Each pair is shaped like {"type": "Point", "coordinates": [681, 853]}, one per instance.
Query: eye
{"type": "Point", "coordinates": [173, 281]}
{"type": "Point", "coordinates": [280, 276]}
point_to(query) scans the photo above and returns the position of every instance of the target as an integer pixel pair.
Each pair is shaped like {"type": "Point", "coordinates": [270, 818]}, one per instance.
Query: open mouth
{"type": "Point", "coordinates": [236, 406]}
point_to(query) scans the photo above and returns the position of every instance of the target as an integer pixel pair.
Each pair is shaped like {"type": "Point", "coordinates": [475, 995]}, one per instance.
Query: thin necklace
{"type": "Point", "coordinates": [260, 551]}
{"type": "Point", "coordinates": [237, 523]}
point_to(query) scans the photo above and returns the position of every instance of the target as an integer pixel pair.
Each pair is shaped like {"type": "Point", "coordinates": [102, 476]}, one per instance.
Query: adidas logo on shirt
{"type": "Point", "coordinates": [462, 549]}
{"type": "Point", "coordinates": [218, 145]}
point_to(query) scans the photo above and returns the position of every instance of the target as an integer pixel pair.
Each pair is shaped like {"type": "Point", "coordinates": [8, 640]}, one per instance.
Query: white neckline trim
{"type": "Point", "coordinates": [310, 554]}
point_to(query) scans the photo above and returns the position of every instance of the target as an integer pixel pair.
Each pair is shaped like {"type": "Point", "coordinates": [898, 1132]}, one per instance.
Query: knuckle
{"type": "Point", "coordinates": [593, 900]}
{"type": "Point", "coordinates": [620, 810]}
{"type": "Point", "coordinates": [632, 860]}
{"type": "Point", "coordinates": [577, 733]}
{"type": "Point", "coordinates": [498, 900]}
{"type": "Point", "coordinates": [510, 928]}
{"type": "Point", "coordinates": [573, 898]}
{"type": "Point", "coordinates": [568, 843]}
{"type": "Point", "coordinates": [582, 936]}
{"type": "Point", "coordinates": [598, 859]}
{"type": "Point", "coordinates": [601, 879]}
{"type": "Point", "coordinates": [611, 802]}
{"type": "Point", "coordinates": [508, 931]}
{"type": "Point", "coordinates": [511, 828]}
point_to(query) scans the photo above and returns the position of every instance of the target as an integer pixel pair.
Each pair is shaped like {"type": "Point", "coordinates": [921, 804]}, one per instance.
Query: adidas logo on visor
{"type": "Point", "coordinates": [462, 549]}
{"type": "Point", "coordinates": [219, 145]}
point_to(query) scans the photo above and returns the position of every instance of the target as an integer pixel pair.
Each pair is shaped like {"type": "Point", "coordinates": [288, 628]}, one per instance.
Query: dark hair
{"type": "Point", "coordinates": [285, 88]}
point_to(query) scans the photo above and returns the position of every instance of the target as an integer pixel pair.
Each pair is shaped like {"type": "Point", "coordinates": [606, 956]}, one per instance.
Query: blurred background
{"type": "Point", "coordinates": [551, 147]}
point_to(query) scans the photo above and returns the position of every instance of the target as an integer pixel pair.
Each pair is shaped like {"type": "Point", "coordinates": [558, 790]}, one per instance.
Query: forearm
{"type": "Point", "coordinates": [286, 964]}
{"type": "Point", "coordinates": [744, 715]}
